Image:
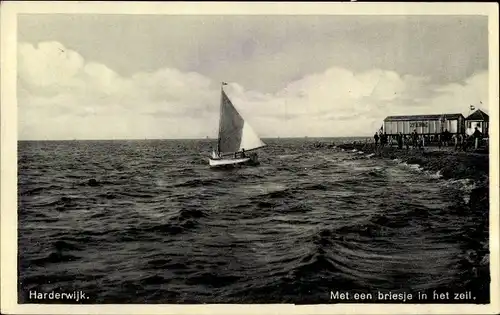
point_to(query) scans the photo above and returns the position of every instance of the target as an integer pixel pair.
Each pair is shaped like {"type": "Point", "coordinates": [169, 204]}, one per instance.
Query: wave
{"type": "Point", "coordinates": [277, 194]}
{"type": "Point", "coordinates": [199, 182]}
{"type": "Point", "coordinates": [313, 264]}
{"type": "Point", "coordinates": [184, 221]}
{"type": "Point", "coordinates": [320, 186]}
{"type": "Point", "coordinates": [137, 233]}
{"type": "Point", "coordinates": [166, 264]}
{"type": "Point", "coordinates": [54, 258]}
{"type": "Point", "coordinates": [61, 245]}
{"type": "Point", "coordinates": [60, 203]}
{"type": "Point", "coordinates": [464, 186]}
{"type": "Point", "coordinates": [415, 167]}
{"type": "Point", "coordinates": [137, 194]}
{"type": "Point", "coordinates": [92, 182]}
{"type": "Point", "coordinates": [435, 175]}
{"type": "Point", "coordinates": [186, 214]}
{"type": "Point", "coordinates": [185, 172]}
{"type": "Point", "coordinates": [108, 195]}
{"type": "Point", "coordinates": [300, 208]}
{"type": "Point", "coordinates": [250, 176]}
{"type": "Point", "coordinates": [212, 279]}
{"type": "Point", "coordinates": [38, 190]}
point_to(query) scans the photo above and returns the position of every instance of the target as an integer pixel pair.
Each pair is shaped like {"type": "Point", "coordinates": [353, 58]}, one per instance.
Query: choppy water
{"type": "Point", "coordinates": [161, 227]}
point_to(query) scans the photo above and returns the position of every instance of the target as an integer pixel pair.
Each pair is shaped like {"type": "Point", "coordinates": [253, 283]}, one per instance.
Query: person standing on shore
{"type": "Point", "coordinates": [467, 142]}
{"type": "Point", "coordinates": [445, 137]}
{"type": "Point", "coordinates": [414, 136]}
{"type": "Point", "coordinates": [400, 140]}
{"type": "Point", "coordinates": [476, 135]}
{"type": "Point", "coordinates": [376, 137]}
{"type": "Point", "coordinates": [384, 139]}
{"type": "Point", "coordinates": [460, 140]}
{"type": "Point", "coordinates": [456, 139]}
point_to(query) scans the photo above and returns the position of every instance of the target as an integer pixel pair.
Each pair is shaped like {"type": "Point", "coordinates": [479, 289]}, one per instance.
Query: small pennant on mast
{"type": "Point", "coordinates": [224, 83]}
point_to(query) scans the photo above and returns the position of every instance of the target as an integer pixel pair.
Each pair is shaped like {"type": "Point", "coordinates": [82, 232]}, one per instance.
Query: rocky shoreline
{"type": "Point", "coordinates": [452, 165]}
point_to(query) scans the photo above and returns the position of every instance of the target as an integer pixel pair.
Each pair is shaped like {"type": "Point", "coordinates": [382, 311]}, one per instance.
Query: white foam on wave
{"type": "Point", "coordinates": [367, 168]}
{"type": "Point", "coordinates": [329, 159]}
{"type": "Point", "coordinates": [415, 167]}
{"type": "Point", "coordinates": [436, 175]}
{"type": "Point", "coordinates": [161, 183]}
{"type": "Point", "coordinates": [263, 188]}
{"type": "Point", "coordinates": [286, 156]}
{"type": "Point", "coordinates": [465, 185]}
{"type": "Point", "coordinates": [418, 168]}
{"type": "Point", "coordinates": [354, 150]}
{"type": "Point", "coordinates": [370, 155]}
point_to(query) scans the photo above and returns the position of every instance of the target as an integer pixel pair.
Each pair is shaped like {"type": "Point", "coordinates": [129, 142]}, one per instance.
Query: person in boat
{"type": "Point", "coordinates": [241, 154]}
{"type": "Point", "coordinates": [215, 154]}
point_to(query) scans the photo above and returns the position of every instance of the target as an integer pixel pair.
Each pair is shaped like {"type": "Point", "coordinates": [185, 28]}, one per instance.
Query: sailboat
{"type": "Point", "coordinates": [237, 141]}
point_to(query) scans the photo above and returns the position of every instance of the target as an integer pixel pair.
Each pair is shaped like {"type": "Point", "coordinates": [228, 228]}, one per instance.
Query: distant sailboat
{"type": "Point", "coordinates": [235, 139]}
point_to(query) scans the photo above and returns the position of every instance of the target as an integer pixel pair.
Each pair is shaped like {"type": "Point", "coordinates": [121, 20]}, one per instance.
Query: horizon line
{"type": "Point", "coordinates": [146, 139]}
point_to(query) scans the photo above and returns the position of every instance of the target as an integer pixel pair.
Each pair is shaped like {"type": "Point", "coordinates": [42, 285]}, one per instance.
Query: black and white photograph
{"type": "Point", "coordinates": [307, 158]}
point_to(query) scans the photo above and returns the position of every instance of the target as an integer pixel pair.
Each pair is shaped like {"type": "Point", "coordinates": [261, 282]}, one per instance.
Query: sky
{"type": "Point", "coordinates": [101, 76]}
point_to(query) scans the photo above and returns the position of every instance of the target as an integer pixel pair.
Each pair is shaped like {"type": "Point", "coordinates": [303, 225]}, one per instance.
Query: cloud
{"type": "Point", "coordinates": [338, 102]}
{"type": "Point", "coordinates": [63, 96]}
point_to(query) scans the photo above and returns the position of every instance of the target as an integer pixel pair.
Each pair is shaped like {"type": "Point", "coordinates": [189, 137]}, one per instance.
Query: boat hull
{"type": "Point", "coordinates": [233, 162]}
{"type": "Point", "coordinates": [227, 162]}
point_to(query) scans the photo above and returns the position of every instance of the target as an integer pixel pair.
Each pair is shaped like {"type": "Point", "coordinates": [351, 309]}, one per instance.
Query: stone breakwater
{"type": "Point", "coordinates": [458, 166]}
{"type": "Point", "coordinates": [451, 164]}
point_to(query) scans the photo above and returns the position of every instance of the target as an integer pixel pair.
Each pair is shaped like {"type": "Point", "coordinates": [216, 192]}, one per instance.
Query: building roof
{"type": "Point", "coordinates": [478, 115]}
{"type": "Point", "coordinates": [423, 117]}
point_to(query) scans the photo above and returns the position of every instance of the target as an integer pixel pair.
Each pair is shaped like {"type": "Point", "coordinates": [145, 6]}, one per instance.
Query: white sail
{"type": "Point", "coordinates": [249, 138]}
{"type": "Point", "coordinates": [235, 133]}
